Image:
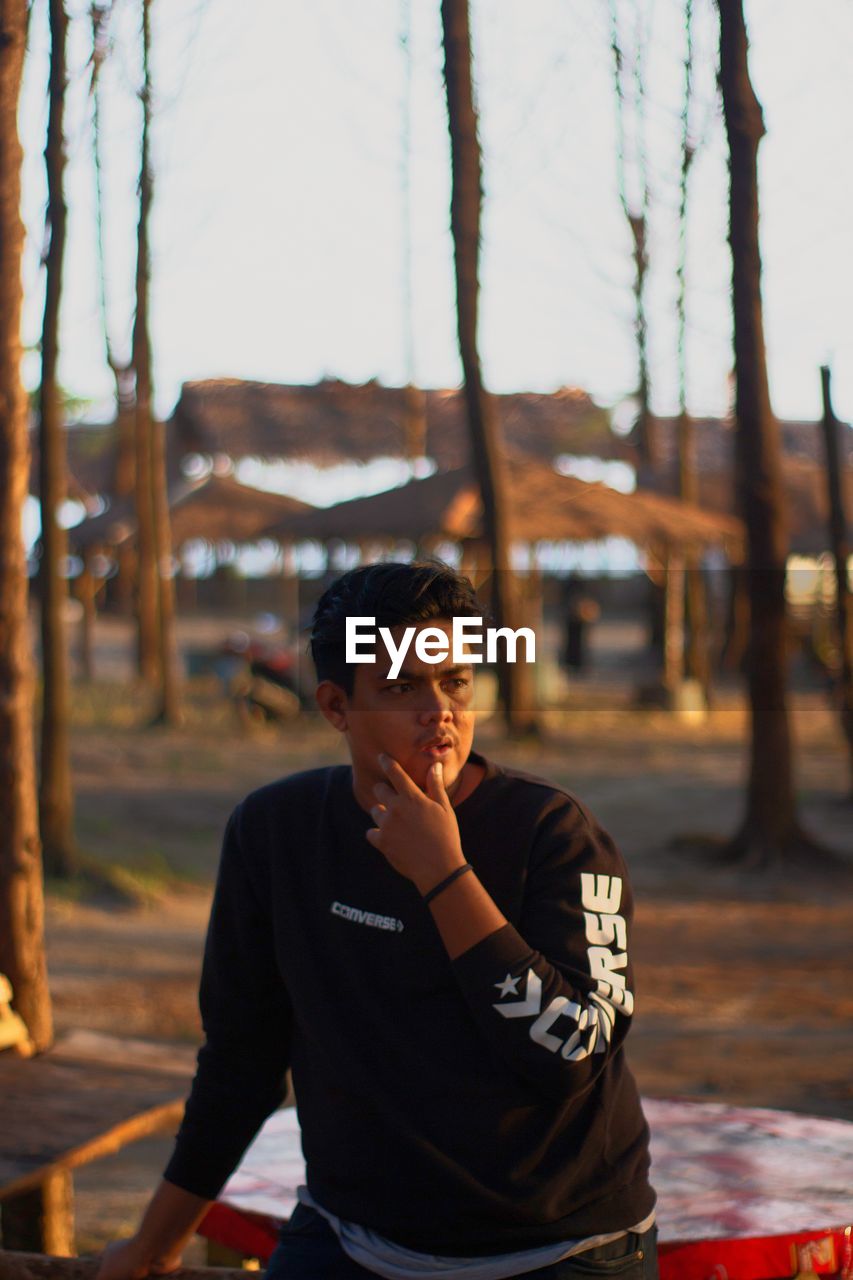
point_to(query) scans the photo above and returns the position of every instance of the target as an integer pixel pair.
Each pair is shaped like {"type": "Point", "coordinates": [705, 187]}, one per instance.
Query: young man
{"type": "Point", "coordinates": [437, 947]}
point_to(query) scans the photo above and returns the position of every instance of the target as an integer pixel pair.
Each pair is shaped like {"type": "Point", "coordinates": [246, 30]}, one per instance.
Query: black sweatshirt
{"type": "Point", "coordinates": [461, 1107]}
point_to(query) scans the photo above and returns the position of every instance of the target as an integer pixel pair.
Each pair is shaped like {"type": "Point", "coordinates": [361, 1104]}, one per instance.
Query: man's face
{"type": "Point", "coordinates": [423, 715]}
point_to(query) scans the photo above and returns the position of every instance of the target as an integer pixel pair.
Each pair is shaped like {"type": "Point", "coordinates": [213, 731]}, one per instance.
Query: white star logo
{"type": "Point", "coordinates": [509, 984]}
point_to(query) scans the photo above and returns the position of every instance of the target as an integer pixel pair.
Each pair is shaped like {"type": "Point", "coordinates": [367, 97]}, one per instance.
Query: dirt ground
{"type": "Point", "coordinates": [744, 991]}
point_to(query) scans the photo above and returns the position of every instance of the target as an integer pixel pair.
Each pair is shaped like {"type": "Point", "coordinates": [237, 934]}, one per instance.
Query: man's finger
{"type": "Point", "coordinates": [379, 813]}
{"type": "Point", "coordinates": [397, 776]}
{"type": "Point", "coordinates": [435, 786]}
{"type": "Point", "coordinates": [374, 835]}
{"type": "Point", "coordinates": [384, 793]}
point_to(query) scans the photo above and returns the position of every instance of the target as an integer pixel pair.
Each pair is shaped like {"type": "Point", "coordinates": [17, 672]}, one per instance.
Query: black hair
{"type": "Point", "coordinates": [393, 594]}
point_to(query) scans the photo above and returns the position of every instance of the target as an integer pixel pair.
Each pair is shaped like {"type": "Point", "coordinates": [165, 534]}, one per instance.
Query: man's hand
{"type": "Point", "coordinates": [164, 1232]}
{"type": "Point", "coordinates": [126, 1260]}
{"type": "Point", "coordinates": [418, 833]}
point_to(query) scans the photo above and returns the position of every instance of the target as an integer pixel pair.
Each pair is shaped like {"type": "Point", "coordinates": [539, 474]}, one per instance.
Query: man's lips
{"type": "Point", "coordinates": [437, 748]}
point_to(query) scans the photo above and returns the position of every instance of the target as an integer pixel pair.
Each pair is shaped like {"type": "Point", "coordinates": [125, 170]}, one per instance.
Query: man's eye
{"type": "Point", "coordinates": [459, 682]}
{"type": "Point", "coordinates": [404, 687]}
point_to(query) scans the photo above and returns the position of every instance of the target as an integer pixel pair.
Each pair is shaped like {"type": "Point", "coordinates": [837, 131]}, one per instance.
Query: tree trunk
{"type": "Point", "coordinates": [770, 828]}
{"type": "Point", "coordinates": [484, 432]}
{"type": "Point", "coordinates": [147, 602]}
{"type": "Point", "coordinates": [697, 655]}
{"type": "Point", "coordinates": [644, 428]}
{"type": "Point", "coordinates": [169, 709]}
{"type": "Point", "coordinates": [56, 798]}
{"type": "Point", "coordinates": [635, 207]}
{"type": "Point", "coordinates": [125, 462]}
{"type": "Point", "coordinates": [841, 555]}
{"type": "Point", "coordinates": [414, 398]}
{"type": "Point", "coordinates": [21, 906]}
{"type": "Point", "coordinates": [149, 596]}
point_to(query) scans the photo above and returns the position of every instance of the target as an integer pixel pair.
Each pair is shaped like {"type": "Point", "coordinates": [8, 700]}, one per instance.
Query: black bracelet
{"type": "Point", "coordinates": [448, 880]}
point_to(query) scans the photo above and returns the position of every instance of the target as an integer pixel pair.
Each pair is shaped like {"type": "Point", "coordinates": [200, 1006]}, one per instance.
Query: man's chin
{"type": "Point", "coordinates": [419, 770]}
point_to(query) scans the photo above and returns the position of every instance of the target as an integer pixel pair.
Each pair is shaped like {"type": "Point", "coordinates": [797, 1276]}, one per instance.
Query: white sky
{"type": "Point", "coordinates": [278, 233]}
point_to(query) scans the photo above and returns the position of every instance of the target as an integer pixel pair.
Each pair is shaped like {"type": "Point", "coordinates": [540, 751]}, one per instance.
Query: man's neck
{"type": "Point", "coordinates": [470, 777]}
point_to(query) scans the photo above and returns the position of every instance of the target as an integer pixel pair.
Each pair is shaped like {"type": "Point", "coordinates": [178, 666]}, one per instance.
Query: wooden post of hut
{"type": "Point", "coordinates": [841, 556]}
{"type": "Point", "coordinates": [673, 637]}
{"type": "Point", "coordinates": [291, 608]}
{"type": "Point", "coordinates": [532, 616]}
{"type": "Point", "coordinates": [415, 423]}
{"type": "Point", "coordinates": [41, 1220]}
{"type": "Point", "coordinates": [124, 583]}
{"type": "Point", "coordinates": [87, 589]}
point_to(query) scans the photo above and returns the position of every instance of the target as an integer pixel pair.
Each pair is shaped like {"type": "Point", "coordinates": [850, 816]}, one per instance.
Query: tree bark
{"type": "Point", "coordinates": [169, 709]}
{"type": "Point", "coordinates": [482, 421]}
{"type": "Point", "coordinates": [22, 956]}
{"type": "Point", "coordinates": [56, 797]}
{"type": "Point", "coordinates": [841, 555]}
{"type": "Point", "coordinates": [636, 210]}
{"type": "Point", "coordinates": [644, 428]}
{"type": "Point", "coordinates": [414, 398]}
{"type": "Point", "coordinates": [147, 603]}
{"type": "Point", "coordinates": [156, 596]}
{"type": "Point", "coordinates": [770, 828]}
{"type": "Point", "coordinates": [125, 463]}
{"type": "Point", "coordinates": [697, 654]}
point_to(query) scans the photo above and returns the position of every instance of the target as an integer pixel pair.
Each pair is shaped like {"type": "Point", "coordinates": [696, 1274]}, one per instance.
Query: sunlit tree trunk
{"type": "Point", "coordinates": [21, 905]}
{"type": "Point", "coordinates": [155, 586]}
{"type": "Point", "coordinates": [56, 797]}
{"type": "Point", "coordinates": [147, 587]}
{"type": "Point", "coordinates": [169, 709]}
{"type": "Point", "coordinates": [125, 464]}
{"type": "Point", "coordinates": [414, 397]}
{"type": "Point", "coordinates": [485, 438]}
{"type": "Point", "coordinates": [635, 198]}
{"type": "Point", "coordinates": [770, 827]}
{"type": "Point", "coordinates": [697, 664]}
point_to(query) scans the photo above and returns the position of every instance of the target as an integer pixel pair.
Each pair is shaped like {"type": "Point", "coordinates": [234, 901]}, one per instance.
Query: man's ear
{"type": "Point", "coordinates": [333, 703]}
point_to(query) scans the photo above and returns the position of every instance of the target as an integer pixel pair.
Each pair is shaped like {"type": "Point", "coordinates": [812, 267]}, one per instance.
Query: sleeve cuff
{"type": "Point", "coordinates": [189, 1178]}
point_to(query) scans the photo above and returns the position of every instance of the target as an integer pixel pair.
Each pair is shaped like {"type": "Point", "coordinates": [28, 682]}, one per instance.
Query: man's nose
{"type": "Point", "coordinates": [435, 705]}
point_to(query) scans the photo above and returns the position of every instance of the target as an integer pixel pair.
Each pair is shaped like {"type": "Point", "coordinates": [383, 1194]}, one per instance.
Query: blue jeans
{"type": "Point", "coordinates": [308, 1249]}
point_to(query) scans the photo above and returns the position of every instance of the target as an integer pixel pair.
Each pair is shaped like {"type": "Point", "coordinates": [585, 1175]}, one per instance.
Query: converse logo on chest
{"type": "Point", "coordinates": [371, 918]}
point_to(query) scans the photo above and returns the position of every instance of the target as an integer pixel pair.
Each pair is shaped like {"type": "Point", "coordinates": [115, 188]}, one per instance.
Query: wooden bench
{"type": "Point", "coordinates": [87, 1097]}
{"type": "Point", "coordinates": [36, 1266]}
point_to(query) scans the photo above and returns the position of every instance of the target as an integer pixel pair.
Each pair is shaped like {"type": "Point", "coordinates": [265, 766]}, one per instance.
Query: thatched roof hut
{"type": "Point", "coordinates": [335, 421]}
{"type": "Point", "coordinates": [91, 453]}
{"type": "Point", "coordinates": [332, 422]}
{"type": "Point", "coordinates": [545, 506]}
{"type": "Point", "coordinates": [215, 509]}
{"type": "Point", "coordinates": [803, 473]}
{"type": "Point", "coordinates": [807, 501]}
